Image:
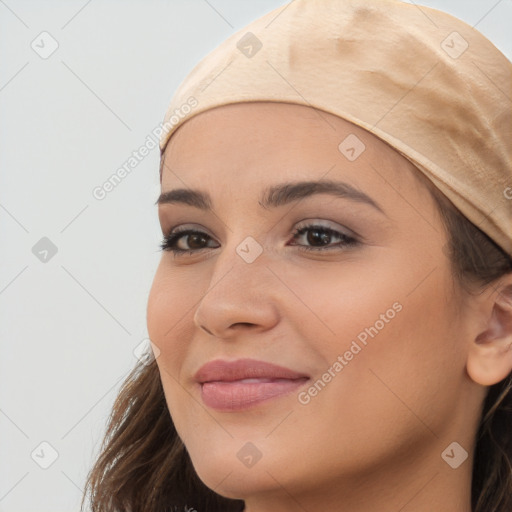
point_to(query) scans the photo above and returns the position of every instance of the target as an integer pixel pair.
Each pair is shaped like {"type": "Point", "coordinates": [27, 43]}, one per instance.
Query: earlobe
{"type": "Point", "coordinates": [490, 355]}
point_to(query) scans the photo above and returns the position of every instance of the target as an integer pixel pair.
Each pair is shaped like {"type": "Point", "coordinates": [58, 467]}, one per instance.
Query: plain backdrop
{"type": "Point", "coordinates": [75, 271]}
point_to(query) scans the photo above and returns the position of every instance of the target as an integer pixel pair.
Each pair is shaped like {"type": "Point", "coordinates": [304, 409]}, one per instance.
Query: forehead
{"type": "Point", "coordinates": [273, 133]}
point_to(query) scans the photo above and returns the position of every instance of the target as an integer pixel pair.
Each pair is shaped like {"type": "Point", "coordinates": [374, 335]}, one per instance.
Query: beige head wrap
{"type": "Point", "coordinates": [428, 84]}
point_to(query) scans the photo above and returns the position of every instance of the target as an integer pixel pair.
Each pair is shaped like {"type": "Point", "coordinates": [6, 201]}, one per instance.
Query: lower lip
{"type": "Point", "coordinates": [238, 395]}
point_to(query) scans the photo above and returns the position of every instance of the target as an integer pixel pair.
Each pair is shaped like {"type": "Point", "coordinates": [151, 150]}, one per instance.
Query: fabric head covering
{"type": "Point", "coordinates": [428, 84]}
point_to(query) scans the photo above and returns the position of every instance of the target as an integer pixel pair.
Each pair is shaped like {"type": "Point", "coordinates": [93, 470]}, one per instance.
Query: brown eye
{"type": "Point", "coordinates": [195, 240]}
{"type": "Point", "coordinates": [320, 238]}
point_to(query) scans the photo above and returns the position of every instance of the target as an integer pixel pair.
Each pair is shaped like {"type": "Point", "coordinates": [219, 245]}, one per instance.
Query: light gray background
{"type": "Point", "coordinates": [68, 326]}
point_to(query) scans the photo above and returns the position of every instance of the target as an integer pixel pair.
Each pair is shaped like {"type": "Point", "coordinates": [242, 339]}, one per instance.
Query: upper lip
{"type": "Point", "coordinates": [220, 370]}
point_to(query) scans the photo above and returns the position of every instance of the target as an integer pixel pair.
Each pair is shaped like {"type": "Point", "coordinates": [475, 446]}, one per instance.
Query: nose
{"type": "Point", "coordinates": [240, 296]}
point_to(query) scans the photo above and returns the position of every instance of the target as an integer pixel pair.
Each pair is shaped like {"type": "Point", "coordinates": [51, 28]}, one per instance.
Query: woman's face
{"type": "Point", "coordinates": [366, 313]}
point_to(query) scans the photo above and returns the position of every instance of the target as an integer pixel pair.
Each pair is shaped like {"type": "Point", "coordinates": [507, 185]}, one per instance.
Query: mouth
{"type": "Point", "coordinates": [245, 383]}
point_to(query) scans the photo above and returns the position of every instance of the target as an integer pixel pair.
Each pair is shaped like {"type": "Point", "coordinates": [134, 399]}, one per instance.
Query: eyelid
{"type": "Point", "coordinates": [327, 224]}
{"type": "Point", "coordinates": [187, 227]}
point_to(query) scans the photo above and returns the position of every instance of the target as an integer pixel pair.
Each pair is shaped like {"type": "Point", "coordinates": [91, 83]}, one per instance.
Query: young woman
{"type": "Point", "coordinates": [333, 306]}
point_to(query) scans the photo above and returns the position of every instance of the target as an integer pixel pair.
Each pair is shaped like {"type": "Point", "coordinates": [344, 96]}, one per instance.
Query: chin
{"type": "Point", "coordinates": [230, 478]}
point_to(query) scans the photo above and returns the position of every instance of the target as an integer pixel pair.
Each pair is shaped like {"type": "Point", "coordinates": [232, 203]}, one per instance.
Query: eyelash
{"type": "Point", "coordinates": [169, 241]}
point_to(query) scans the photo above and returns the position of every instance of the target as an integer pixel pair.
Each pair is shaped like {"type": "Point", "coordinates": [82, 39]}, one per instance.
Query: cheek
{"type": "Point", "coordinates": [169, 317]}
{"type": "Point", "coordinates": [403, 357]}
{"type": "Point", "coordinates": [169, 312]}
{"type": "Point", "coordinates": [397, 333]}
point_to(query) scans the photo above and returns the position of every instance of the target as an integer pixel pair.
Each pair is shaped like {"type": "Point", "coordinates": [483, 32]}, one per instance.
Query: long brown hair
{"type": "Point", "coordinates": [143, 465]}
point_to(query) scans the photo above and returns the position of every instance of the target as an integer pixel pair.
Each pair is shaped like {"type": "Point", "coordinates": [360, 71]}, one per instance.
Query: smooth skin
{"type": "Point", "coordinates": [373, 437]}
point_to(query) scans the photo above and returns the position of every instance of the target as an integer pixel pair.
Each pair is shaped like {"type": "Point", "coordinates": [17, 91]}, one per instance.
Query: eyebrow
{"type": "Point", "coordinates": [274, 196]}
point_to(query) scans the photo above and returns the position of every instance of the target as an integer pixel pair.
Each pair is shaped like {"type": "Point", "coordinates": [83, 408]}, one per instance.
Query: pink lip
{"type": "Point", "coordinates": [223, 387]}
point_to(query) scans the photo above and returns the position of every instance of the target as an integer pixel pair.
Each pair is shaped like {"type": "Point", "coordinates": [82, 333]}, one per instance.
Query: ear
{"type": "Point", "coordinates": [490, 354]}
